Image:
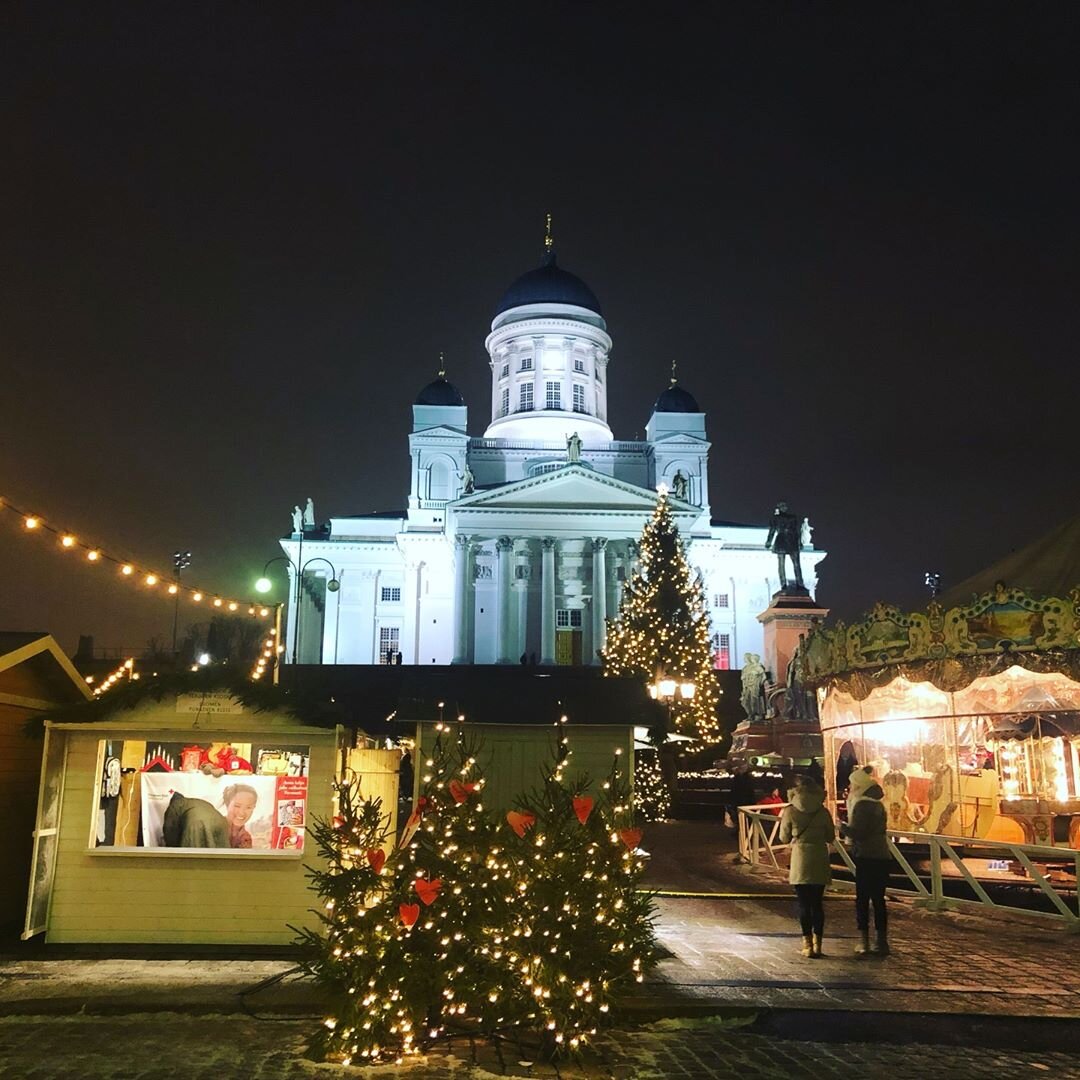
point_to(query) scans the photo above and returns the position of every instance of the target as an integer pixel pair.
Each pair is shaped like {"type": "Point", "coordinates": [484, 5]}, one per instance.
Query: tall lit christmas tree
{"type": "Point", "coordinates": [663, 626]}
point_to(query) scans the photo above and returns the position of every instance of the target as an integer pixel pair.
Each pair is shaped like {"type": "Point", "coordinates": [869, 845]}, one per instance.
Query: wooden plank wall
{"type": "Point", "coordinates": [513, 758]}
{"type": "Point", "coordinates": [158, 898]}
{"type": "Point", "coordinates": [20, 771]}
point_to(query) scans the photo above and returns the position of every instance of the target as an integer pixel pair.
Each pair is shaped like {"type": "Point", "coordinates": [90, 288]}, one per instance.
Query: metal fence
{"type": "Point", "coordinates": [1050, 873]}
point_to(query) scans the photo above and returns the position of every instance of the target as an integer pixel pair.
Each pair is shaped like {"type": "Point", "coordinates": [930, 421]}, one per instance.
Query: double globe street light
{"type": "Point", "coordinates": [264, 585]}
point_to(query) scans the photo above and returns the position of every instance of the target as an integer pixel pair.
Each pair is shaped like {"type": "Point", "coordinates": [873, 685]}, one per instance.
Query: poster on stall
{"type": "Point", "coordinates": [245, 813]}
{"type": "Point", "coordinates": [290, 813]}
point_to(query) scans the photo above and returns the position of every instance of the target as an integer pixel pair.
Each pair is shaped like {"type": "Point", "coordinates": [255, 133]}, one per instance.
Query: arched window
{"type": "Point", "coordinates": [439, 480]}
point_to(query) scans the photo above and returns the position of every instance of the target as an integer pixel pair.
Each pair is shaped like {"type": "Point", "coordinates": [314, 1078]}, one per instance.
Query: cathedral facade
{"type": "Point", "coordinates": [516, 545]}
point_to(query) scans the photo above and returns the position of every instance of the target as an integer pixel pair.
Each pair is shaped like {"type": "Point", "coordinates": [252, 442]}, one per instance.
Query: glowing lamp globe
{"type": "Point", "coordinates": [263, 585]}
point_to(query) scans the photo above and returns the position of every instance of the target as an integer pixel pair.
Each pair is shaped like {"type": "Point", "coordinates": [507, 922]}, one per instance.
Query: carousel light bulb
{"type": "Point", "coordinates": [217, 601]}
{"type": "Point", "coordinates": [173, 590]}
{"type": "Point", "coordinates": [232, 605]}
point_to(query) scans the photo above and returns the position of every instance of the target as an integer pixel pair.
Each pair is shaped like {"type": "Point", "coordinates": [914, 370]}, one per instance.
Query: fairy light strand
{"type": "Point", "coordinates": [149, 579]}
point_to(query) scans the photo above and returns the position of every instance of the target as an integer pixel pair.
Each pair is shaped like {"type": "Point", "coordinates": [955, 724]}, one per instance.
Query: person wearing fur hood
{"type": "Point", "coordinates": [865, 830]}
{"type": "Point", "coordinates": [807, 826]}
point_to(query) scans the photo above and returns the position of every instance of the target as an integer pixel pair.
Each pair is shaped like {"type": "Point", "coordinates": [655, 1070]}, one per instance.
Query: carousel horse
{"type": "Point", "coordinates": [943, 806]}
{"type": "Point", "coordinates": [897, 806]}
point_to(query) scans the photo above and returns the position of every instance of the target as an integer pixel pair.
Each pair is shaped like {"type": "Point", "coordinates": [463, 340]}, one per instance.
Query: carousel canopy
{"type": "Point", "coordinates": [1050, 566]}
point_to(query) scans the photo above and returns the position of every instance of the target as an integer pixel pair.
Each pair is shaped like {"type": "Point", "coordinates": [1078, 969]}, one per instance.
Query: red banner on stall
{"type": "Point", "coordinates": [290, 813]}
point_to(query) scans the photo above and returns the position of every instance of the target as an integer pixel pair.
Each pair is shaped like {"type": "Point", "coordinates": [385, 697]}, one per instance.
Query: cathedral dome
{"type": "Point", "coordinates": [440, 392]}
{"type": "Point", "coordinates": [676, 399]}
{"type": "Point", "coordinates": [548, 284]}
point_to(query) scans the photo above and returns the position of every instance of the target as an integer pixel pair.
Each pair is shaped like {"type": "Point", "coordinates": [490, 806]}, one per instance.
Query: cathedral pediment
{"type": "Point", "coordinates": [571, 488]}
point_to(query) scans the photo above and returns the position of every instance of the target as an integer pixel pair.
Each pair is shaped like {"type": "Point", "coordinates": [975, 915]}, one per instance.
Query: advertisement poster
{"type": "Point", "coordinates": [195, 811]}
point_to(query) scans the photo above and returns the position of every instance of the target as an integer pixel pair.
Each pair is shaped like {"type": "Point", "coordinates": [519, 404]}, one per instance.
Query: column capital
{"type": "Point", "coordinates": [504, 543]}
{"type": "Point", "coordinates": [461, 540]}
{"type": "Point", "coordinates": [599, 543]}
{"type": "Point", "coordinates": [548, 543]}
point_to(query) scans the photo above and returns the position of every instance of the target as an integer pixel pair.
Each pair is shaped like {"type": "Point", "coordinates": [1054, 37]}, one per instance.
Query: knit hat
{"type": "Point", "coordinates": [860, 781]}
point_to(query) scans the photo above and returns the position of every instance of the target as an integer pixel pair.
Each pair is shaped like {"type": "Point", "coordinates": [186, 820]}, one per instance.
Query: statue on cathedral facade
{"type": "Point", "coordinates": [573, 448]}
{"type": "Point", "coordinates": [468, 481]}
{"type": "Point", "coordinates": [784, 541]}
{"type": "Point", "coordinates": [297, 519]}
{"type": "Point", "coordinates": [309, 514]}
{"type": "Point", "coordinates": [806, 538]}
{"type": "Point", "coordinates": [679, 485]}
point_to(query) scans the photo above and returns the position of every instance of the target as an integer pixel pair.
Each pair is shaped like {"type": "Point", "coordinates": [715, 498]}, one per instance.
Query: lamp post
{"type": "Point", "coordinates": [264, 585]}
{"type": "Point", "coordinates": [181, 560]}
{"type": "Point", "coordinates": [668, 689]}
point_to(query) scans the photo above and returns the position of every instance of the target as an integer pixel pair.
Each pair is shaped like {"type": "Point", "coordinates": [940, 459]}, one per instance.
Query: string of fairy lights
{"type": "Point", "coordinates": [148, 579]}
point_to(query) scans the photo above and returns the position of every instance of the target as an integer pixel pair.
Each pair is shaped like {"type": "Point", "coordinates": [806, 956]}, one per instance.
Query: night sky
{"type": "Point", "coordinates": [236, 238]}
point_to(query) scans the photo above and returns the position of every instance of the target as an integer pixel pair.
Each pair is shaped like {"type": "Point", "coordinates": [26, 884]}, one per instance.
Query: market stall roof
{"type": "Point", "coordinates": [383, 700]}
{"type": "Point", "coordinates": [1049, 566]}
{"type": "Point", "coordinates": [34, 671]}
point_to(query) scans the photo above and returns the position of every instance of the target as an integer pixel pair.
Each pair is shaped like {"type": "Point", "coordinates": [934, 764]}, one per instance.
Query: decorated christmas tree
{"type": "Point", "coordinates": [662, 627]}
{"type": "Point", "coordinates": [651, 795]}
{"type": "Point", "coordinates": [475, 922]}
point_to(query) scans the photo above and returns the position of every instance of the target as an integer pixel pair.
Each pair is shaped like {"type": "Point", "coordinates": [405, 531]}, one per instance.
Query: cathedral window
{"type": "Point", "coordinates": [722, 655]}
{"type": "Point", "coordinates": [721, 599]}
{"type": "Point", "coordinates": [552, 395]}
{"type": "Point", "coordinates": [505, 371]}
{"type": "Point", "coordinates": [390, 593]}
{"type": "Point", "coordinates": [579, 364]}
{"type": "Point", "coordinates": [505, 401]}
{"type": "Point", "coordinates": [526, 364]}
{"type": "Point", "coordinates": [388, 644]}
{"type": "Point", "coordinates": [525, 401]}
{"type": "Point", "coordinates": [579, 398]}
{"type": "Point", "coordinates": [568, 619]}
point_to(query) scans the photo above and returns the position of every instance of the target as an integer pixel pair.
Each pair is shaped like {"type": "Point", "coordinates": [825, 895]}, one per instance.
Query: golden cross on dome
{"type": "Point", "coordinates": [549, 242]}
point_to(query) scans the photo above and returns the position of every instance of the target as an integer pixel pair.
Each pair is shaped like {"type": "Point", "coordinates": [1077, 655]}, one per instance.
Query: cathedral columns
{"type": "Point", "coordinates": [504, 546]}
{"type": "Point", "coordinates": [462, 595]}
{"type": "Point", "coordinates": [521, 587]}
{"type": "Point", "coordinates": [599, 601]}
{"type": "Point", "coordinates": [547, 602]}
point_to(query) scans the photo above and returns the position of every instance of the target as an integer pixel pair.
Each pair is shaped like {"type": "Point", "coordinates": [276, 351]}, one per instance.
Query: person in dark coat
{"type": "Point", "coordinates": [742, 793]}
{"type": "Point", "coordinates": [865, 829]}
{"type": "Point", "coordinates": [194, 823]}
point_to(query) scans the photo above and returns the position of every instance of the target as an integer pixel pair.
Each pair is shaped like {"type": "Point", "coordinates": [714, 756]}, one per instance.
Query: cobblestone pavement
{"type": "Point", "coordinates": [741, 947]}
{"type": "Point", "coordinates": [165, 1046]}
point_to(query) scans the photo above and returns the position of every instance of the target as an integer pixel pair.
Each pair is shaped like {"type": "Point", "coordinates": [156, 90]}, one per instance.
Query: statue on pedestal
{"type": "Point", "coordinates": [752, 694]}
{"type": "Point", "coordinates": [679, 485]}
{"type": "Point", "coordinates": [806, 539]}
{"type": "Point", "coordinates": [309, 514]}
{"type": "Point", "coordinates": [784, 541]}
{"type": "Point", "coordinates": [297, 519]}
{"type": "Point", "coordinates": [468, 481]}
{"type": "Point", "coordinates": [573, 448]}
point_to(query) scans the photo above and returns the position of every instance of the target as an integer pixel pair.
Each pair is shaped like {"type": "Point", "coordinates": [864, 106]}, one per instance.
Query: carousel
{"type": "Point", "coordinates": [969, 713]}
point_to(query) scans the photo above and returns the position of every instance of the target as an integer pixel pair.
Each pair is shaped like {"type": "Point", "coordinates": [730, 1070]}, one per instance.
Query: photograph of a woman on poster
{"type": "Point", "coordinates": [239, 801]}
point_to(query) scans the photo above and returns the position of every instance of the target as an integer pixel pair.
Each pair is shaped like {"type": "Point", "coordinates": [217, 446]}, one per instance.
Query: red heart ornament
{"type": "Point", "coordinates": [339, 822]}
{"type": "Point", "coordinates": [409, 913]}
{"type": "Point", "coordinates": [583, 805]}
{"type": "Point", "coordinates": [427, 890]}
{"type": "Point", "coordinates": [630, 837]}
{"type": "Point", "coordinates": [459, 792]}
{"type": "Point", "coordinates": [376, 857]}
{"type": "Point", "coordinates": [521, 821]}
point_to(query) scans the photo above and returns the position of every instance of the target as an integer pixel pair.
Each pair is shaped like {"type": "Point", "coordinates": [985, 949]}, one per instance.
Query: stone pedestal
{"type": "Point", "coordinates": [790, 613]}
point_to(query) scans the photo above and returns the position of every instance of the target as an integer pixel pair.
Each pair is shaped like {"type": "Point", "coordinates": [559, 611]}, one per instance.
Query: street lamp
{"type": "Point", "coordinates": [181, 560]}
{"type": "Point", "coordinates": [264, 585]}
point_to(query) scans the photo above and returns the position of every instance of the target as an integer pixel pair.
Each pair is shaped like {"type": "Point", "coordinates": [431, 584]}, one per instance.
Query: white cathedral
{"type": "Point", "coordinates": [516, 545]}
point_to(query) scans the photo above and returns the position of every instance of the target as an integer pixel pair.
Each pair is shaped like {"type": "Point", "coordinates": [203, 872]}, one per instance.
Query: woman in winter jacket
{"type": "Point", "coordinates": [808, 827]}
{"type": "Point", "coordinates": [865, 829]}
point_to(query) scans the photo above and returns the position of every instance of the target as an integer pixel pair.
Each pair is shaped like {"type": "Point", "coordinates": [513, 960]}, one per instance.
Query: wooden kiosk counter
{"type": "Point", "coordinates": [180, 820]}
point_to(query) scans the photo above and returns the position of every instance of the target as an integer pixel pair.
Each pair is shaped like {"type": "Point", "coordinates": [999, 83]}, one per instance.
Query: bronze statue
{"type": "Point", "coordinates": [784, 541]}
